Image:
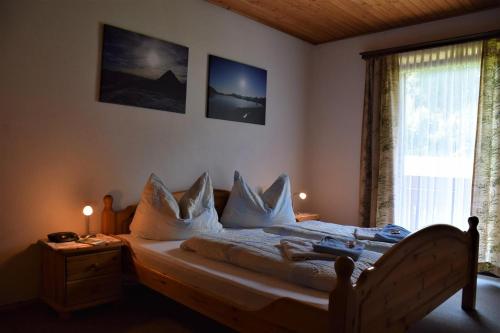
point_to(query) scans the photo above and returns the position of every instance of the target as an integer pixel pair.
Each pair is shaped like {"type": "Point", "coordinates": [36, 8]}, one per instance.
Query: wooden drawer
{"type": "Point", "coordinates": [91, 265]}
{"type": "Point", "coordinates": [102, 288]}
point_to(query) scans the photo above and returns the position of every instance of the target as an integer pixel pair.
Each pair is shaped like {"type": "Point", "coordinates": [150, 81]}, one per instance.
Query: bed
{"type": "Point", "coordinates": [406, 283]}
{"type": "Point", "coordinates": [245, 289]}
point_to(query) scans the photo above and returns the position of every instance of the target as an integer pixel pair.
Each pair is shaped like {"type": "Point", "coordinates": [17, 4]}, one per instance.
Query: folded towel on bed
{"type": "Point", "coordinates": [391, 234]}
{"type": "Point", "coordinates": [316, 230]}
{"type": "Point", "coordinates": [298, 249]}
{"type": "Point", "coordinates": [339, 247]}
{"type": "Point", "coordinates": [366, 233]}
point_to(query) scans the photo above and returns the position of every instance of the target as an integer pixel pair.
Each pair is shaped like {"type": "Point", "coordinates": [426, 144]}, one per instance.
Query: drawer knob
{"type": "Point", "coordinates": [95, 266]}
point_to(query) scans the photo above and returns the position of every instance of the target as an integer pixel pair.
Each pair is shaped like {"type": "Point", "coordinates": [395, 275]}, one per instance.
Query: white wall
{"type": "Point", "coordinates": [60, 148]}
{"type": "Point", "coordinates": [335, 109]}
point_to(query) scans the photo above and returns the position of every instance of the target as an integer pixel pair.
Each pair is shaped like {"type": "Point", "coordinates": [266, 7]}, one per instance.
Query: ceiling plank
{"type": "Point", "coordinates": [320, 21]}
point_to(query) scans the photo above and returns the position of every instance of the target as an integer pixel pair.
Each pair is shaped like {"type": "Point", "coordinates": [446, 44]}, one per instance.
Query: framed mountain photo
{"type": "Point", "coordinates": [143, 71]}
{"type": "Point", "coordinates": [236, 91]}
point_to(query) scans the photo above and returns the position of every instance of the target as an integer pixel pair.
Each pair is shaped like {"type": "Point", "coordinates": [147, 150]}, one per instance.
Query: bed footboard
{"type": "Point", "coordinates": [408, 282]}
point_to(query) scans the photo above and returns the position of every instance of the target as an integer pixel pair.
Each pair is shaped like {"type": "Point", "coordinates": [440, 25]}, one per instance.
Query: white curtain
{"type": "Point", "coordinates": [434, 150]}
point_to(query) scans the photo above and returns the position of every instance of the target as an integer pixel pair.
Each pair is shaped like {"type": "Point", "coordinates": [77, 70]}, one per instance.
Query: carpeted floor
{"type": "Point", "coordinates": [450, 318]}
{"type": "Point", "coordinates": [142, 310]}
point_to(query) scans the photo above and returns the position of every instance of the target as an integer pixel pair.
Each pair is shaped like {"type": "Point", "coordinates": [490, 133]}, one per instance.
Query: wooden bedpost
{"type": "Point", "coordinates": [342, 298]}
{"type": "Point", "coordinates": [469, 291]}
{"type": "Point", "coordinates": [108, 217]}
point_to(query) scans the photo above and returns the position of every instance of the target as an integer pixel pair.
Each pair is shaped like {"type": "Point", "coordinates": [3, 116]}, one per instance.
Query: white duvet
{"type": "Point", "coordinates": [258, 251]}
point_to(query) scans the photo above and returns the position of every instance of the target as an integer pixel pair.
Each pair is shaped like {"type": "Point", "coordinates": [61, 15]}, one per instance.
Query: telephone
{"type": "Point", "coordinates": [61, 237]}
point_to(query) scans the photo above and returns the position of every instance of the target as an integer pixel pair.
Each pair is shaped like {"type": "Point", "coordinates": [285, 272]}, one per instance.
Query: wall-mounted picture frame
{"type": "Point", "coordinates": [236, 91]}
{"type": "Point", "coordinates": [143, 71]}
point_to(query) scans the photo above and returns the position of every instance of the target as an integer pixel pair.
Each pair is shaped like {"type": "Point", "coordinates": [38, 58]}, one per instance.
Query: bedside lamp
{"type": "Point", "coordinates": [87, 211]}
{"type": "Point", "coordinates": [301, 195]}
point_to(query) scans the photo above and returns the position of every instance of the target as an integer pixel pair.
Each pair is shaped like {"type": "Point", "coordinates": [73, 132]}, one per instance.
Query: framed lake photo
{"type": "Point", "coordinates": [236, 91]}
{"type": "Point", "coordinates": [143, 71]}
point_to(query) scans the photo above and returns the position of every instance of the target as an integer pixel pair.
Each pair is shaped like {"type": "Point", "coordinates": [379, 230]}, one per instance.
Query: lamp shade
{"type": "Point", "coordinates": [87, 210]}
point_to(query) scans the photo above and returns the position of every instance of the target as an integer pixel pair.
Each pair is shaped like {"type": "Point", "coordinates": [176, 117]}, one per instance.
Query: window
{"type": "Point", "coordinates": [434, 151]}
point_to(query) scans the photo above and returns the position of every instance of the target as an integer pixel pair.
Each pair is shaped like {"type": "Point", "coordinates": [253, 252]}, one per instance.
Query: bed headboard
{"type": "Point", "coordinates": [118, 222]}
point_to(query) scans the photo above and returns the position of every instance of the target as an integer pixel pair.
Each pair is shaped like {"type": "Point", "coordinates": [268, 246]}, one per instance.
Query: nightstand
{"type": "Point", "coordinates": [76, 278]}
{"type": "Point", "coordinates": [299, 217]}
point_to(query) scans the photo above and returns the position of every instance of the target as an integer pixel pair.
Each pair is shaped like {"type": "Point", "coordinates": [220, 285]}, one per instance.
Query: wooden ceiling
{"type": "Point", "coordinates": [320, 21]}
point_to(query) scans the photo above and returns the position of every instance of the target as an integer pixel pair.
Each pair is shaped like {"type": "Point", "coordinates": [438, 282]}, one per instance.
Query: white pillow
{"type": "Point", "coordinates": [158, 215]}
{"type": "Point", "coordinates": [247, 209]}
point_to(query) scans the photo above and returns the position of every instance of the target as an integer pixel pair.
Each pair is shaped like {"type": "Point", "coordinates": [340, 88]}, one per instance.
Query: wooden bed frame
{"type": "Point", "coordinates": [405, 284]}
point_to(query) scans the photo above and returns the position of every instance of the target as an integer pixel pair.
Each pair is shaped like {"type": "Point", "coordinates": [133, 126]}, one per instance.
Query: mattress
{"type": "Point", "coordinates": [246, 289]}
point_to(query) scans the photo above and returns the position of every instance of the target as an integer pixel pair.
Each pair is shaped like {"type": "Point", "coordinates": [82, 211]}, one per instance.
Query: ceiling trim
{"type": "Point", "coordinates": [431, 44]}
